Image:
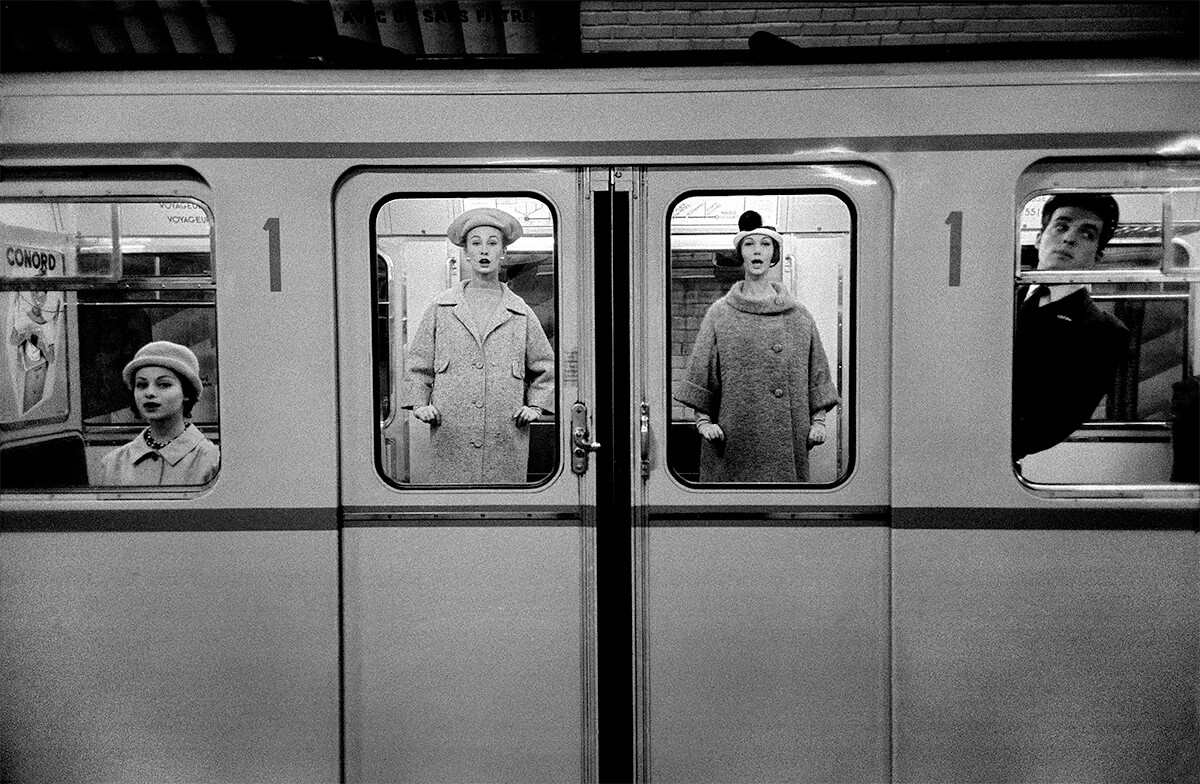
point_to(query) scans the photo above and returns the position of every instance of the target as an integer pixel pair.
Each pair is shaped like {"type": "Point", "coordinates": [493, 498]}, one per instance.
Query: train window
{"type": "Point", "coordinates": [98, 296]}
{"type": "Point", "coordinates": [465, 340]}
{"type": "Point", "coordinates": [759, 335]}
{"type": "Point", "coordinates": [1105, 349]}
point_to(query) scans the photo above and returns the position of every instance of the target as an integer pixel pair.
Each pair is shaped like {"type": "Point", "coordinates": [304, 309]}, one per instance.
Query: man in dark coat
{"type": "Point", "coordinates": [1067, 351]}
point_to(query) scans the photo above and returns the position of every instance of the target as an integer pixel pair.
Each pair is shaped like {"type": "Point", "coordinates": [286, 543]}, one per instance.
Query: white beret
{"type": "Point", "coordinates": [766, 231]}
{"type": "Point", "coordinates": [510, 227]}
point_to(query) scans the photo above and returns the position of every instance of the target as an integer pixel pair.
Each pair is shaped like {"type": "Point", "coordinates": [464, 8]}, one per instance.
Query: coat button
{"type": "Point", "coordinates": [778, 392]}
{"type": "Point", "coordinates": [777, 347]}
{"type": "Point", "coordinates": [477, 403]}
{"type": "Point", "coordinates": [779, 300]}
{"type": "Point", "coordinates": [477, 443]}
{"type": "Point", "coordinates": [478, 365]}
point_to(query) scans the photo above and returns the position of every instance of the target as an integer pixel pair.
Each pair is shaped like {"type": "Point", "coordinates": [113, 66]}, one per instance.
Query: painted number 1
{"type": "Point", "coordinates": [954, 221]}
{"type": "Point", "coordinates": [272, 229]}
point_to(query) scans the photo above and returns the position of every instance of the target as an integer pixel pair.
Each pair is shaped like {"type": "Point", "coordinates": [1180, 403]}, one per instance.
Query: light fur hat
{"type": "Point", "coordinates": [510, 227]}
{"type": "Point", "coordinates": [749, 223]}
{"type": "Point", "coordinates": [174, 357]}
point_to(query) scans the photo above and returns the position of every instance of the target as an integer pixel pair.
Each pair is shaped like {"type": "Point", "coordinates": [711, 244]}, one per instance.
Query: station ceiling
{"type": "Point", "coordinates": [73, 35]}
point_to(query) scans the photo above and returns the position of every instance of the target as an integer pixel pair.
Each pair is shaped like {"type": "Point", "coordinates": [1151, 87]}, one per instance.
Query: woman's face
{"type": "Point", "coordinates": [757, 251]}
{"type": "Point", "coordinates": [158, 393]}
{"type": "Point", "coordinates": [485, 247]}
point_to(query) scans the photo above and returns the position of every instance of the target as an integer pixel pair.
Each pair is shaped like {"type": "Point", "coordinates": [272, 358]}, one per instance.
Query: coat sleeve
{"type": "Point", "coordinates": [1094, 366]}
{"type": "Point", "coordinates": [539, 364]}
{"type": "Point", "coordinates": [212, 464]}
{"type": "Point", "coordinates": [822, 392]}
{"type": "Point", "coordinates": [420, 370]}
{"type": "Point", "coordinates": [1112, 350]}
{"type": "Point", "coordinates": [1083, 372]}
{"type": "Point", "coordinates": [108, 476]}
{"type": "Point", "coordinates": [701, 384]}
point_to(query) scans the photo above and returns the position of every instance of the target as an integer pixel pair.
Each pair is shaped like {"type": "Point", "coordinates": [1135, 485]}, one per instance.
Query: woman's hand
{"type": "Point", "coordinates": [526, 414]}
{"type": "Point", "coordinates": [427, 414]}
{"type": "Point", "coordinates": [710, 431]}
{"type": "Point", "coordinates": [816, 434]}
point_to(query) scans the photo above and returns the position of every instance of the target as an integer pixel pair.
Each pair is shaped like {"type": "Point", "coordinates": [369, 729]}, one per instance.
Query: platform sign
{"type": "Point", "coordinates": [164, 219]}
{"type": "Point", "coordinates": [533, 214]}
{"type": "Point", "coordinates": [33, 387]}
{"type": "Point", "coordinates": [140, 220]}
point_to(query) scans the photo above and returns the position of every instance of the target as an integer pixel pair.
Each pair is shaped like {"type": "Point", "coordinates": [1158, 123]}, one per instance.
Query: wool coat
{"type": "Point", "coordinates": [1066, 357]}
{"type": "Point", "coordinates": [759, 371]}
{"type": "Point", "coordinates": [478, 376]}
{"type": "Point", "coordinates": [191, 459]}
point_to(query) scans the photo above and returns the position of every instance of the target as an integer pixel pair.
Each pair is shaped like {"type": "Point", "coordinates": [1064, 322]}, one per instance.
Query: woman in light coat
{"type": "Point", "coordinates": [480, 368]}
{"type": "Point", "coordinates": [164, 379]}
{"type": "Point", "coordinates": [757, 376]}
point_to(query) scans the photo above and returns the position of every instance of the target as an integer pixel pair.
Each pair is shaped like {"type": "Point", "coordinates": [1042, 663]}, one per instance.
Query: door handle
{"type": "Point", "coordinates": [581, 439]}
{"type": "Point", "coordinates": [645, 431]}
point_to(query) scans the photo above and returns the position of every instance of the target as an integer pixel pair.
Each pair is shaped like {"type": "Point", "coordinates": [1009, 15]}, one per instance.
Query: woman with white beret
{"type": "Point", "coordinates": [480, 368]}
{"type": "Point", "coordinates": [164, 378]}
{"type": "Point", "coordinates": [757, 376]}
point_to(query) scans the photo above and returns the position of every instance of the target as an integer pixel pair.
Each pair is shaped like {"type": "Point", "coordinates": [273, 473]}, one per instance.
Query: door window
{"type": "Point", "coordinates": [759, 337]}
{"type": "Point", "coordinates": [465, 340]}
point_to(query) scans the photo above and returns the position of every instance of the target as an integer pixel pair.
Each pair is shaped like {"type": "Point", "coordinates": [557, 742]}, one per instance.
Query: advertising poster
{"type": "Point", "coordinates": [33, 384]}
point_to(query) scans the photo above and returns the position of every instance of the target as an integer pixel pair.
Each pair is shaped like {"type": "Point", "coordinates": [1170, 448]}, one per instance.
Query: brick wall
{"type": "Point", "coordinates": [690, 298]}
{"type": "Point", "coordinates": [608, 26]}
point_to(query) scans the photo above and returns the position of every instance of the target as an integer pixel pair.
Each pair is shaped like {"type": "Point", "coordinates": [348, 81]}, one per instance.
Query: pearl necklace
{"type": "Point", "coordinates": [150, 442]}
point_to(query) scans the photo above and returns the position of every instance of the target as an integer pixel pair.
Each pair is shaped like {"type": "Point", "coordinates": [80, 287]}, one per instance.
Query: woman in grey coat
{"type": "Point", "coordinates": [480, 368]}
{"type": "Point", "coordinates": [757, 377]}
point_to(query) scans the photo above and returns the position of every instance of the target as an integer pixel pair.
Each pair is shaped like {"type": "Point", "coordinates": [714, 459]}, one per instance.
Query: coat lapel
{"type": "Point", "coordinates": [510, 306]}
{"type": "Point", "coordinates": [453, 297]}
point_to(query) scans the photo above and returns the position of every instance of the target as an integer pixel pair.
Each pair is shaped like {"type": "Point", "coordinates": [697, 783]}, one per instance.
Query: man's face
{"type": "Point", "coordinates": [1070, 241]}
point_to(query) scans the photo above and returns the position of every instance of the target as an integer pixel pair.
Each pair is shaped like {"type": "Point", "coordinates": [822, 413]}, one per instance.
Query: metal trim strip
{"type": "Point", "coordinates": [439, 517]}
{"type": "Point", "coordinates": [951, 518]}
{"type": "Point", "coordinates": [326, 519]}
{"type": "Point", "coordinates": [767, 517]}
{"type": "Point", "coordinates": [690, 149]}
{"type": "Point", "coordinates": [168, 520]}
{"type": "Point", "coordinates": [1022, 518]}
{"type": "Point", "coordinates": [85, 283]}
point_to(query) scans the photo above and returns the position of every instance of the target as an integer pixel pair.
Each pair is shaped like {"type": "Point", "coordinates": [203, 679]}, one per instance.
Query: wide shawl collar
{"type": "Point", "coordinates": [782, 302]}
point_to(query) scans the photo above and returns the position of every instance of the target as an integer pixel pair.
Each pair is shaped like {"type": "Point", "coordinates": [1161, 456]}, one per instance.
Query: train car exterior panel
{"type": "Point", "coordinates": [737, 573]}
{"type": "Point", "coordinates": [924, 613]}
{"type": "Point", "coordinates": [493, 604]}
{"type": "Point", "coordinates": [768, 653]}
{"type": "Point", "coordinates": [525, 114]}
{"type": "Point", "coordinates": [289, 320]}
{"type": "Point", "coordinates": [1012, 668]}
{"type": "Point", "coordinates": [1045, 655]}
{"type": "Point", "coordinates": [972, 394]}
{"type": "Point", "coordinates": [198, 635]}
{"type": "Point", "coordinates": [945, 374]}
{"type": "Point", "coordinates": [467, 666]}
{"type": "Point", "coordinates": [170, 656]}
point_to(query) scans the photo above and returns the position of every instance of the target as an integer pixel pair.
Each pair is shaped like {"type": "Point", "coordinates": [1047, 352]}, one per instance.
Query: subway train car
{"type": "Point", "coordinates": [927, 605]}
